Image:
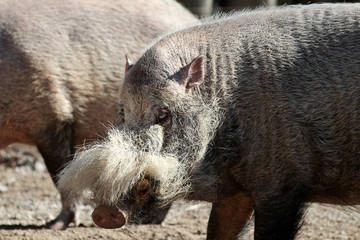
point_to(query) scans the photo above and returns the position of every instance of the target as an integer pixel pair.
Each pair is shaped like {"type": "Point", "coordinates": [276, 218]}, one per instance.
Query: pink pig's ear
{"type": "Point", "coordinates": [194, 73]}
{"type": "Point", "coordinates": [129, 64]}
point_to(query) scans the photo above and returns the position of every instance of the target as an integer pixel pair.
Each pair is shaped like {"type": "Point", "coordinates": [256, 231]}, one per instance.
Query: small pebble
{"type": "Point", "coordinates": [3, 188]}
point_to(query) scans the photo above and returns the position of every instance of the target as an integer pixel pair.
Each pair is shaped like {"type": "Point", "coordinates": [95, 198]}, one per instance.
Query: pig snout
{"type": "Point", "coordinates": [111, 217]}
{"type": "Point", "coordinates": [108, 217]}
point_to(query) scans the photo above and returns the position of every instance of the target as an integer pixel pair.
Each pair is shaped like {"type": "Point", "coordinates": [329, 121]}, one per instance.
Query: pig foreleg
{"type": "Point", "coordinates": [278, 217]}
{"type": "Point", "coordinates": [228, 217]}
{"type": "Point", "coordinates": [56, 148]}
{"type": "Point", "coordinates": [69, 213]}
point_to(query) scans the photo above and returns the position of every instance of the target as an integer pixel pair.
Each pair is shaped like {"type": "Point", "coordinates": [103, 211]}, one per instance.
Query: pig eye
{"type": "Point", "coordinates": [163, 118]}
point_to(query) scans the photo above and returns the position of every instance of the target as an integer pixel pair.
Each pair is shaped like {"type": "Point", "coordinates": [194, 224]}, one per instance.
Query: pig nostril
{"type": "Point", "coordinates": [113, 217]}
{"type": "Point", "coordinates": [97, 218]}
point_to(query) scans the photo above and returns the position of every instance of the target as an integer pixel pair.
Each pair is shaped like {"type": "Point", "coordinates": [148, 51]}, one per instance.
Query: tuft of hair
{"type": "Point", "coordinates": [111, 168]}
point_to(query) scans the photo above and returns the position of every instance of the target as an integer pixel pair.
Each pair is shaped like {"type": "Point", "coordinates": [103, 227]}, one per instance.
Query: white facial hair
{"type": "Point", "coordinates": [111, 168]}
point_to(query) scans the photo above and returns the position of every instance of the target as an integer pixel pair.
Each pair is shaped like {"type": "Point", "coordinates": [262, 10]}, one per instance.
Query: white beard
{"type": "Point", "coordinates": [111, 168]}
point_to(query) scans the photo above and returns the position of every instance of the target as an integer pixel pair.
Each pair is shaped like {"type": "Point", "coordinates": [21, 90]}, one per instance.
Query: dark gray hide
{"type": "Point", "coordinates": [262, 108]}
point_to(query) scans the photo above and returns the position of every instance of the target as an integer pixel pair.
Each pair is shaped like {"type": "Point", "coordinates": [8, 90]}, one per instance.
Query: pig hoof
{"type": "Point", "coordinates": [61, 222]}
{"type": "Point", "coordinates": [107, 217]}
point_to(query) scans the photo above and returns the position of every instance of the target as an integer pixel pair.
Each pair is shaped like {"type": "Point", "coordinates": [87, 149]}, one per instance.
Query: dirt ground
{"type": "Point", "coordinates": [28, 199]}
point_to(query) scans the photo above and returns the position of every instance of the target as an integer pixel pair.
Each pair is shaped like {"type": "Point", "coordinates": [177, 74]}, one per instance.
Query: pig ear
{"type": "Point", "coordinates": [129, 64]}
{"type": "Point", "coordinates": [194, 73]}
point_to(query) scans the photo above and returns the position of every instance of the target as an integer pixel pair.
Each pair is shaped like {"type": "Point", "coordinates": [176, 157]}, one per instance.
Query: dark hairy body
{"type": "Point", "coordinates": [261, 108]}
{"type": "Point", "coordinates": [287, 84]}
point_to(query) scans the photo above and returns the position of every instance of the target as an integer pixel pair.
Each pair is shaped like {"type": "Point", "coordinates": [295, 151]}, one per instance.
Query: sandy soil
{"type": "Point", "coordinates": [28, 199]}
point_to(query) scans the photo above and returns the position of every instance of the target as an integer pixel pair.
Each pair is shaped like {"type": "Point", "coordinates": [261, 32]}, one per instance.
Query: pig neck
{"type": "Point", "coordinates": [235, 67]}
{"type": "Point", "coordinates": [224, 149]}
{"type": "Point", "coordinates": [227, 48]}
{"type": "Point", "coordinates": [220, 91]}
